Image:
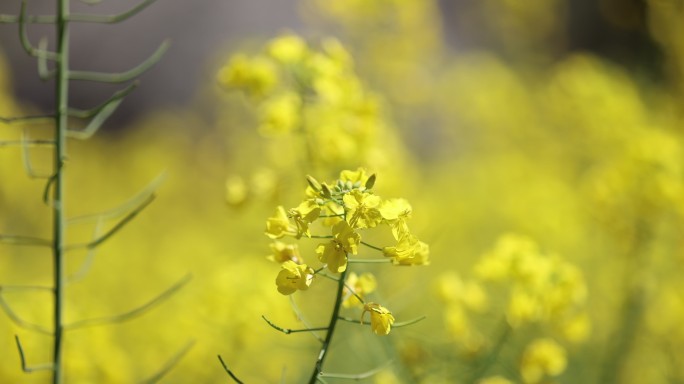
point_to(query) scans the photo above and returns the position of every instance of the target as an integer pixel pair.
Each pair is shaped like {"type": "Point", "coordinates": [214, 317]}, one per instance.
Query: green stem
{"type": "Point", "coordinates": [372, 246]}
{"type": "Point", "coordinates": [369, 261]}
{"type": "Point", "coordinates": [621, 342]}
{"type": "Point", "coordinates": [486, 363]}
{"type": "Point", "coordinates": [59, 217]}
{"type": "Point", "coordinates": [318, 368]}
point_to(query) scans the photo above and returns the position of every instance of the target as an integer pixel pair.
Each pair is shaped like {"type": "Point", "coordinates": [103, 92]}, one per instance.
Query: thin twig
{"type": "Point", "coordinates": [26, 157]}
{"type": "Point", "coordinates": [358, 376]}
{"type": "Point", "coordinates": [128, 205]}
{"type": "Point", "coordinates": [395, 325]}
{"type": "Point", "coordinates": [122, 77]}
{"type": "Point", "coordinates": [300, 317]}
{"type": "Point", "coordinates": [89, 258]}
{"type": "Point", "coordinates": [228, 371]}
{"type": "Point", "coordinates": [82, 18]}
{"type": "Point", "coordinates": [287, 331]}
{"type": "Point", "coordinates": [24, 240]}
{"type": "Point", "coordinates": [28, 143]}
{"type": "Point", "coordinates": [21, 322]}
{"type": "Point", "coordinates": [483, 366]}
{"type": "Point", "coordinates": [350, 289]}
{"type": "Point", "coordinates": [132, 313]}
{"type": "Point", "coordinates": [369, 261]}
{"type": "Point", "coordinates": [120, 94]}
{"type": "Point", "coordinates": [111, 19]}
{"type": "Point", "coordinates": [115, 228]}
{"type": "Point", "coordinates": [372, 246]}
{"type": "Point", "coordinates": [26, 43]}
{"type": "Point", "coordinates": [26, 119]}
{"type": "Point", "coordinates": [170, 364]}
{"type": "Point", "coordinates": [25, 367]}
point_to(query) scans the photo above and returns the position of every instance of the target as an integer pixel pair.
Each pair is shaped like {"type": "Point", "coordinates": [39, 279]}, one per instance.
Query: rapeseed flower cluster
{"type": "Point", "coordinates": [531, 289]}
{"type": "Point", "coordinates": [302, 92]}
{"type": "Point", "coordinates": [344, 209]}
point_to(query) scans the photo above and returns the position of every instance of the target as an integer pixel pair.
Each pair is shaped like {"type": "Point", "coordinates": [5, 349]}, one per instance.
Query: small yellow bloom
{"type": "Point", "coordinates": [256, 76]}
{"type": "Point", "coordinates": [576, 328]}
{"type": "Point", "coordinates": [362, 209]}
{"type": "Point", "coordinates": [280, 114]}
{"type": "Point", "coordinates": [334, 253]}
{"type": "Point", "coordinates": [236, 190]}
{"type": "Point", "coordinates": [279, 225]}
{"type": "Point", "coordinates": [294, 277]}
{"type": "Point", "coordinates": [337, 52]}
{"type": "Point", "coordinates": [409, 251]}
{"type": "Point", "coordinates": [306, 213]}
{"type": "Point", "coordinates": [360, 285]}
{"type": "Point", "coordinates": [359, 176]}
{"type": "Point", "coordinates": [523, 308]}
{"type": "Point", "coordinates": [346, 236]}
{"type": "Point", "coordinates": [283, 252]}
{"type": "Point", "coordinates": [453, 290]}
{"type": "Point", "coordinates": [395, 209]}
{"type": "Point", "coordinates": [543, 357]}
{"type": "Point", "coordinates": [287, 49]}
{"type": "Point", "coordinates": [381, 318]}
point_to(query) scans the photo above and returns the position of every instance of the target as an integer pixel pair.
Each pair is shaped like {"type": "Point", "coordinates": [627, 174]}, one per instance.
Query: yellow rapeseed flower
{"type": "Point", "coordinates": [381, 318]}
{"type": "Point", "coordinates": [279, 225]}
{"type": "Point", "coordinates": [306, 213]}
{"type": "Point", "coordinates": [409, 251]}
{"type": "Point", "coordinates": [396, 212]}
{"type": "Point", "coordinates": [294, 277]}
{"type": "Point", "coordinates": [334, 253]}
{"type": "Point", "coordinates": [362, 209]}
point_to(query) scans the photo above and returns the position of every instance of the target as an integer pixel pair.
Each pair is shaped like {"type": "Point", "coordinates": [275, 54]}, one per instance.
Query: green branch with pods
{"type": "Point", "coordinates": [54, 65]}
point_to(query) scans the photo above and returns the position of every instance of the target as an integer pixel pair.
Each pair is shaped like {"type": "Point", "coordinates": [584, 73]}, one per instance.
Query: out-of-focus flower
{"type": "Point", "coordinates": [360, 286]}
{"type": "Point", "coordinates": [283, 252]}
{"type": "Point", "coordinates": [287, 49]}
{"type": "Point", "coordinates": [280, 114]}
{"type": "Point", "coordinates": [255, 76]}
{"type": "Point", "coordinates": [294, 277]}
{"type": "Point", "coordinates": [381, 318]}
{"type": "Point", "coordinates": [542, 358]}
{"type": "Point", "coordinates": [236, 190]}
{"type": "Point", "coordinates": [453, 290]}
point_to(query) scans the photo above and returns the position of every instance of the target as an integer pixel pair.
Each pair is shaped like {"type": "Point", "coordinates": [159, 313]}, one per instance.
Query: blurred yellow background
{"type": "Point", "coordinates": [547, 179]}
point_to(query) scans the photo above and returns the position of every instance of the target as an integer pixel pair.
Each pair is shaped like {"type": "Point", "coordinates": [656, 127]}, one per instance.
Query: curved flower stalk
{"type": "Point", "coordinates": [345, 208]}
